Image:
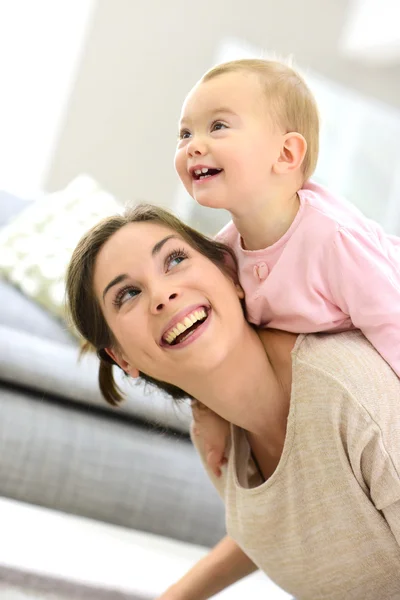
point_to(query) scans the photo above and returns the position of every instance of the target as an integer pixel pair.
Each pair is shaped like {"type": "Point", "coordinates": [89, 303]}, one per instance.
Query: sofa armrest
{"type": "Point", "coordinates": [54, 368]}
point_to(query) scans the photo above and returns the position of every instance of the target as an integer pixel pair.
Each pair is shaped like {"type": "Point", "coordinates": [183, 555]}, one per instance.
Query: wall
{"type": "Point", "coordinates": [40, 44]}
{"type": "Point", "coordinates": [142, 57]}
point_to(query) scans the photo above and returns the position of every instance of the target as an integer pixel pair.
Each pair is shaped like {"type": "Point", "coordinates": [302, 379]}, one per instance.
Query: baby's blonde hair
{"type": "Point", "coordinates": [290, 101]}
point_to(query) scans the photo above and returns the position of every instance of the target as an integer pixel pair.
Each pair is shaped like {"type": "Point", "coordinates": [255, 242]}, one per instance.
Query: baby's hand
{"type": "Point", "coordinates": [214, 432]}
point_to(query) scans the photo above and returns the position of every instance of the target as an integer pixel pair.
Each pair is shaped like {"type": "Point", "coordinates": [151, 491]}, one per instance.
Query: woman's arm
{"type": "Point", "coordinates": [225, 564]}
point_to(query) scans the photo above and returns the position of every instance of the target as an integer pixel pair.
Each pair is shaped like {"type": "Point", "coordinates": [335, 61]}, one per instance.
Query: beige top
{"type": "Point", "coordinates": [326, 524]}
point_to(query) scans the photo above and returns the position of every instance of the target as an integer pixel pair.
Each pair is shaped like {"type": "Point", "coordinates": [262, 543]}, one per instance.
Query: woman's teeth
{"type": "Point", "coordinates": [181, 327]}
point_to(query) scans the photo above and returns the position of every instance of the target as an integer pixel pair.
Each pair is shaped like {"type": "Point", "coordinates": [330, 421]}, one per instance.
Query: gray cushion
{"type": "Point", "coordinates": [53, 368]}
{"type": "Point", "coordinates": [20, 313]}
{"type": "Point", "coordinates": [105, 469]}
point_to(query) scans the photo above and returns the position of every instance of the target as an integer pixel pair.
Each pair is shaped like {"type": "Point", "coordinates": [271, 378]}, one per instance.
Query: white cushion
{"type": "Point", "coordinates": [36, 246]}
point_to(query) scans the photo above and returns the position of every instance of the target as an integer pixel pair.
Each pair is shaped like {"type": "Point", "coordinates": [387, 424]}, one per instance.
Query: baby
{"type": "Point", "coordinates": [308, 261]}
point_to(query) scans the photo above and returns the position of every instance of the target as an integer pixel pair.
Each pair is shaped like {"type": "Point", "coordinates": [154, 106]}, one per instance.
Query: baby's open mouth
{"type": "Point", "coordinates": [205, 172]}
{"type": "Point", "coordinates": [185, 328]}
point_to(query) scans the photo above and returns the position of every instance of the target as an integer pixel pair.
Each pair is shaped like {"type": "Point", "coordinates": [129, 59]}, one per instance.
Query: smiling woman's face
{"type": "Point", "coordinates": [174, 313]}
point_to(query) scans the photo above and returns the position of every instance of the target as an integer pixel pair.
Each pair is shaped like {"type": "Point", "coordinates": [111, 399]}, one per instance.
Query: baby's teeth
{"type": "Point", "coordinates": [198, 171]}
{"type": "Point", "coordinates": [204, 170]}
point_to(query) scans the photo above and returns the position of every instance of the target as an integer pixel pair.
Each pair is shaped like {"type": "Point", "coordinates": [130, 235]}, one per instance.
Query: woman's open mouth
{"type": "Point", "coordinates": [185, 329]}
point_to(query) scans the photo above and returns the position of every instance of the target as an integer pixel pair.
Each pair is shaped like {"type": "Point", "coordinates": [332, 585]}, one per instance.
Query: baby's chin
{"type": "Point", "coordinates": [210, 201]}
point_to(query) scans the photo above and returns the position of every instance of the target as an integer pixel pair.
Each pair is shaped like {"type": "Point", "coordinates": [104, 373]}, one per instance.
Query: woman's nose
{"type": "Point", "coordinates": [160, 303]}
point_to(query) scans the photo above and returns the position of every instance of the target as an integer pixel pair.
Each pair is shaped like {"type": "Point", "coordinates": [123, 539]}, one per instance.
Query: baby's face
{"type": "Point", "coordinates": [228, 143]}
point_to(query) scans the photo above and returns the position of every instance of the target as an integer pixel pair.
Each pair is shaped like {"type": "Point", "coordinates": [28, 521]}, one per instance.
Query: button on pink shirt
{"type": "Point", "coordinates": [334, 269]}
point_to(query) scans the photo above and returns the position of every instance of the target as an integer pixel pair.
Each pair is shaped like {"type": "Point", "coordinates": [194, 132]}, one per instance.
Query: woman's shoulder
{"type": "Point", "coordinates": [345, 391]}
{"type": "Point", "coordinates": [345, 364]}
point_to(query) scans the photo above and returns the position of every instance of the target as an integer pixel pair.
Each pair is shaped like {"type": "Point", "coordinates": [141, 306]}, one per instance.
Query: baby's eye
{"type": "Point", "coordinates": [218, 125]}
{"type": "Point", "coordinates": [125, 294]}
{"type": "Point", "coordinates": [184, 134]}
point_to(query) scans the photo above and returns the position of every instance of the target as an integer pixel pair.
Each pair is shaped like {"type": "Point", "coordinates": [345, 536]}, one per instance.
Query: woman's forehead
{"type": "Point", "coordinates": [133, 244]}
{"type": "Point", "coordinates": [138, 236]}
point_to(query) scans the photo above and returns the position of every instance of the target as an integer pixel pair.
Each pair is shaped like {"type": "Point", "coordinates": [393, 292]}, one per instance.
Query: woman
{"type": "Point", "coordinates": [311, 487]}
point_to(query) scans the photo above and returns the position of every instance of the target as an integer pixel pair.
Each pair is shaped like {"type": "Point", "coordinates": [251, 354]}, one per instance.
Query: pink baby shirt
{"type": "Point", "coordinates": [334, 269]}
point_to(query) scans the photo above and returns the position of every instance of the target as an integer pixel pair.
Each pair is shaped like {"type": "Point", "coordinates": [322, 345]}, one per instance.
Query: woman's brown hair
{"type": "Point", "coordinates": [83, 307]}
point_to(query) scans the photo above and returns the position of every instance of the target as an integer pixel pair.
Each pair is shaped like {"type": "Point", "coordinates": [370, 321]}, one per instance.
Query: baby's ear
{"type": "Point", "coordinates": [121, 362]}
{"type": "Point", "coordinates": [293, 151]}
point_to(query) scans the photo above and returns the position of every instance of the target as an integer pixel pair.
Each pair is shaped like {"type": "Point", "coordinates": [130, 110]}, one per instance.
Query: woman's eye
{"type": "Point", "coordinates": [218, 125]}
{"type": "Point", "coordinates": [175, 258]}
{"type": "Point", "coordinates": [124, 295]}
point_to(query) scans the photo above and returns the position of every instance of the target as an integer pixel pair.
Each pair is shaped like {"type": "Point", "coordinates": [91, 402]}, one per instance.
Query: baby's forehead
{"type": "Point", "coordinates": [221, 91]}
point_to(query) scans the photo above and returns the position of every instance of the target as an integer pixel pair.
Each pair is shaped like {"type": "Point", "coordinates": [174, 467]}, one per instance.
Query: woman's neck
{"type": "Point", "coordinates": [251, 389]}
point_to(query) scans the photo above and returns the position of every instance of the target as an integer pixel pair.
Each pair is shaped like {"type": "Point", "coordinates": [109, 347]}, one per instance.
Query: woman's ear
{"type": "Point", "coordinates": [121, 362]}
{"type": "Point", "coordinates": [293, 151]}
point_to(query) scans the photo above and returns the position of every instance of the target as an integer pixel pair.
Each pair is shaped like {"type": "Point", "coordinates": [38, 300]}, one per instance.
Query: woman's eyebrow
{"type": "Point", "coordinates": [156, 249]}
{"type": "Point", "coordinates": [114, 281]}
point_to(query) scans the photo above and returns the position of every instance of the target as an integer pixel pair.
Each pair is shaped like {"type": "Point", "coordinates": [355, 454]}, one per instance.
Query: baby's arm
{"type": "Point", "coordinates": [214, 432]}
{"type": "Point", "coordinates": [364, 279]}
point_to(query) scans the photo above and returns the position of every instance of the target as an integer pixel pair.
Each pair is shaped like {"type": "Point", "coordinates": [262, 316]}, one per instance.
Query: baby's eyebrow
{"type": "Point", "coordinates": [210, 113]}
{"type": "Point", "coordinates": [224, 110]}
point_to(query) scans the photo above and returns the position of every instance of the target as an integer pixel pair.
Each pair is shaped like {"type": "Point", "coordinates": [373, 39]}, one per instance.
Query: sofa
{"type": "Point", "coordinates": [63, 447]}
